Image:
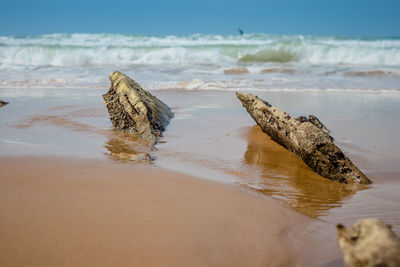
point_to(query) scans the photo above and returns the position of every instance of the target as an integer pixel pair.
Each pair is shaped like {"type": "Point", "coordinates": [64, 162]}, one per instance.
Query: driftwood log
{"type": "Point", "coordinates": [306, 137]}
{"type": "Point", "coordinates": [133, 109]}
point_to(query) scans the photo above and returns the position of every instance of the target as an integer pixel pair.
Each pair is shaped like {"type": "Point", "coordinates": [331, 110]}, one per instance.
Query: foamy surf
{"type": "Point", "coordinates": [203, 62]}
{"type": "Point", "coordinates": [111, 49]}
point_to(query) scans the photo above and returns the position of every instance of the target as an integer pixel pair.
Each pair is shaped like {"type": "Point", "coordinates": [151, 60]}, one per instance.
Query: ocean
{"type": "Point", "coordinates": [204, 62]}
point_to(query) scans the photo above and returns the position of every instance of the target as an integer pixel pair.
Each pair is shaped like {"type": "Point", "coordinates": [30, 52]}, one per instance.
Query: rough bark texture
{"type": "Point", "coordinates": [369, 242]}
{"type": "Point", "coordinates": [307, 138]}
{"type": "Point", "coordinates": [133, 109]}
{"type": "Point", "coordinates": [3, 103]}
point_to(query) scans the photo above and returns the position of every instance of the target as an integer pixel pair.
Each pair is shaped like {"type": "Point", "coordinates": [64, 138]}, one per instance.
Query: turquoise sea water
{"type": "Point", "coordinates": [273, 62]}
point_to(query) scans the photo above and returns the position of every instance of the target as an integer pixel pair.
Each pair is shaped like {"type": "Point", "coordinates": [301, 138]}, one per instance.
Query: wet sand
{"type": "Point", "coordinates": [68, 212]}
{"type": "Point", "coordinates": [212, 138]}
{"type": "Point", "coordinates": [236, 71]}
{"type": "Point", "coordinates": [308, 193]}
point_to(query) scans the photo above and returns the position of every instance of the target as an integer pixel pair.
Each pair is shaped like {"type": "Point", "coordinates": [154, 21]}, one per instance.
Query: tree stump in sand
{"type": "Point", "coordinates": [133, 109]}
{"type": "Point", "coordinates": [306, 137]}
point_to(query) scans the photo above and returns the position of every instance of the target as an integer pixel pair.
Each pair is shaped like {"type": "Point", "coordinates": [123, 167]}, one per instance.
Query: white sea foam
{"type": "Point", "coordinates": [198, 62]}
{"type": "Point", "coordinates": [111, 49]}
{"type": "Point", "coordinates": [254, 86]}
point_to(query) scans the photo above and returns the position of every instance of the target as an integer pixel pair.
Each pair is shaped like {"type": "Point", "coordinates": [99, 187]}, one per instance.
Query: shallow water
{"type": "Point", "coordinates": [213, 137]}
{"type": "Point", "coordinates": [284, 176]}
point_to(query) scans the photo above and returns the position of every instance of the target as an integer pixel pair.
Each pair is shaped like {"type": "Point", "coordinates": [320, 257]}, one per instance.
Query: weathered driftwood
{"type": "Point", "coordinates": [3, 103]}
{"type": "Point", "coordinates": [133, 109]}
{"type": "Point", "coordinates": [369, 242]}
{"type": "Point", "coordinates": [307, 138]}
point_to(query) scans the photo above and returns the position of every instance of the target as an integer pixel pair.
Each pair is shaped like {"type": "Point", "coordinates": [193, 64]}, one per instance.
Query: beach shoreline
{"type": "Point", "coordinates": [58, 152]}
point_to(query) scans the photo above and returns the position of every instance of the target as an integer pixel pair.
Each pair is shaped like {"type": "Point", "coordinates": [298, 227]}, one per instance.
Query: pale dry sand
{"type": "Point", "coordinates": [59, 211]}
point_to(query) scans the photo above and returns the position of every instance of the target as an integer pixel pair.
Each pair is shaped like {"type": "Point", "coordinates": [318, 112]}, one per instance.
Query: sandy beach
{"type": "Point", "coordinates": [66, 212]}
{"type": "Point", "coordinates": [218, 193]}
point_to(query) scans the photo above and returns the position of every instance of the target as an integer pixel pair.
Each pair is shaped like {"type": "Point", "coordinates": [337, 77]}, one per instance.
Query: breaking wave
{"type": "Point", "coordinates": [117, 49]}
{"type": "Point", "coordinates": [268, 55]}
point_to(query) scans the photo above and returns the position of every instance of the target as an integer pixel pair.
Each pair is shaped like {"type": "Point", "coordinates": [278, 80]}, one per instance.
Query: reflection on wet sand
{"type": "Point", "coordinates": [287, 177]}
{"type": "Point", "coordinates": [120, 145]}
{"type": "Point", "coordinates": [57, 120]}
{"type": "Point", "coordinates": [128, 146]}
{"type": "Point", "coordinates": [66, 116]}
{"type": "Point", "coordinates": [283, 175]}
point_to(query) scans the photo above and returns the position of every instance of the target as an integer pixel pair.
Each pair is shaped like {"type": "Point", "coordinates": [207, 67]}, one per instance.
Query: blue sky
{"type": "Point", "coordinates": [179, 17]}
